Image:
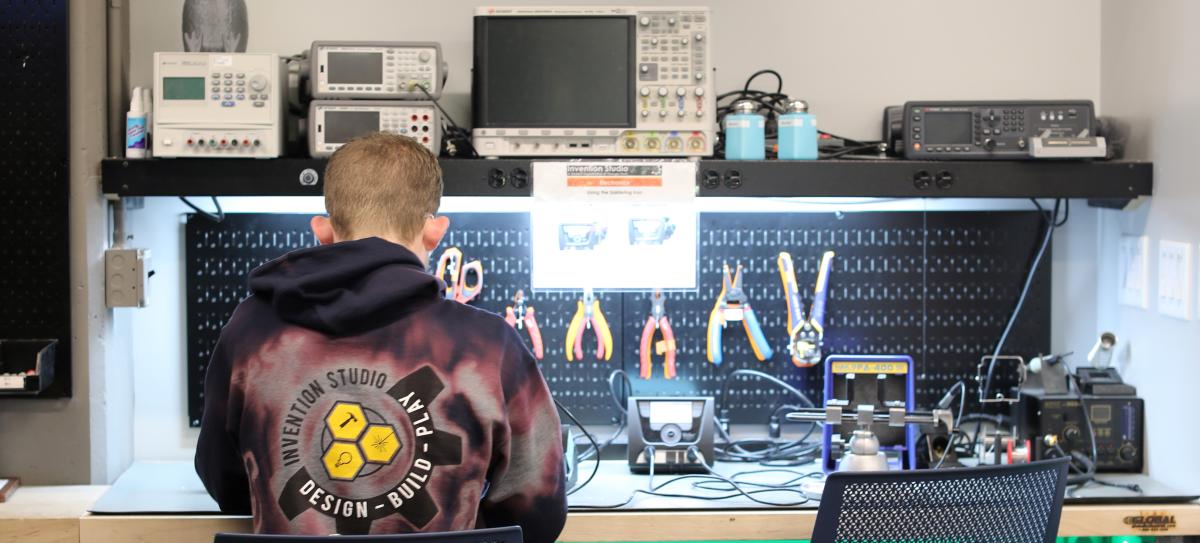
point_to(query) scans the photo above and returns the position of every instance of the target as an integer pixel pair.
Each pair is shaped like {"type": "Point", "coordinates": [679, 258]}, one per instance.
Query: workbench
{"type": "Point", "coordinates": [60, 514]}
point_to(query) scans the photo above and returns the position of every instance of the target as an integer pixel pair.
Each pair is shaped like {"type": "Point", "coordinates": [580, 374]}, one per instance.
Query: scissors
{"type": "Point", "coordinates": [457, 288]}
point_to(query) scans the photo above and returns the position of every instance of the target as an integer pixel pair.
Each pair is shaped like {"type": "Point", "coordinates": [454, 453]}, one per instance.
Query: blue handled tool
{"type": "Point", "coordinates": [733, 305]}
{"type": "Point", "coordinates": [805, 336]}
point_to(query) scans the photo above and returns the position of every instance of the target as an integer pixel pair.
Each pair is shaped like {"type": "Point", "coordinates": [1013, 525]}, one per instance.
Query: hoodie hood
{"type": "Point", "coordinates": [345, 288]}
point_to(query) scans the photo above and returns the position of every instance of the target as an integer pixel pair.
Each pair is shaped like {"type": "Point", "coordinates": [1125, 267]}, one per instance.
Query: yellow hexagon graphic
{"type": "Point", "coordinates": [380, 443]}
{"type": "Point", "coordinates": [346, 421]}
{"type": "Point", "coordinates": [342, 461]}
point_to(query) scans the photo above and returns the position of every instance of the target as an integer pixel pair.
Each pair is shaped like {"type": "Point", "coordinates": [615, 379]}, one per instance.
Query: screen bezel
{"type": "Point", "coordinates": [480, 72]}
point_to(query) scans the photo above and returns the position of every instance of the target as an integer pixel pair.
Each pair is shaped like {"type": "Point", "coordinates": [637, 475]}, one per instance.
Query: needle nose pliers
{"type": "Point", "coordinates": [520, 316]}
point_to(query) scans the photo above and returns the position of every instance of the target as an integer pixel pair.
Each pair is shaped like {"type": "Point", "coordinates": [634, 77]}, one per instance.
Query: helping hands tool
{"type": "Point", "coordinates": [733, 305]}
{"type": "Point", "coordinates": [588, 315]}
{"type": "Point", "coordinates": [805, 336]}
{"type": "Point", "coordinates": [457, 288]}
{"type": "Point", "coordinates": [519, 316]}
{"type": "Point", "coordinates": [666, 347]}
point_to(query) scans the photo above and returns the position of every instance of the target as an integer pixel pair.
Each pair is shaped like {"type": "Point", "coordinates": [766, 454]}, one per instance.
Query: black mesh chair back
{"type": "Point", "coordinates": [1011, 504]}
{"type": "Point", "coordinates": [511, 534]}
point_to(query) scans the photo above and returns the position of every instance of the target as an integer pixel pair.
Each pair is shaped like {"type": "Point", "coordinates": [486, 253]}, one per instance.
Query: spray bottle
{"type": "Point", "coordinates": [135, 126]}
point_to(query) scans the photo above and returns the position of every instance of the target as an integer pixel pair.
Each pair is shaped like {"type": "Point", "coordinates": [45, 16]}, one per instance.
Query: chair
{"type": "Point", "coordinates": [1014, 504]}
{"type": "Point", "coordinates": [510, 534]}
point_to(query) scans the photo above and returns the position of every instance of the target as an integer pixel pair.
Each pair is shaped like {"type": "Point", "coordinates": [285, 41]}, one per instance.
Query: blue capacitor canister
{"type": "Point", "coordinates": [745, 133]}
{"type": "Point", "coordinates": [797, 133]}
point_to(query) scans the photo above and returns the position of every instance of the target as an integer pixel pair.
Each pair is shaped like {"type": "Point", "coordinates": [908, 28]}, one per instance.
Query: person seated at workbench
{"type": "Point", "coordinates": [348, 395]}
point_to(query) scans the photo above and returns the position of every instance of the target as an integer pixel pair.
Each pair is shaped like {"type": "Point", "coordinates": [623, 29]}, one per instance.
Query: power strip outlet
{"type": "Point", "coordinates": [1132, 271]}
{"type": "Point", "coordinates": [126, 276]}
{"type": "Point", "coordinates": [1175, 279]}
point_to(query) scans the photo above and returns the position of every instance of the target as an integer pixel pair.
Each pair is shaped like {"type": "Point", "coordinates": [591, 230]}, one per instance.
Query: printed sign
{"type": "Point", "coordinates": [614, 225]}
{"type": "Point", "coordinates": [1151, 522]}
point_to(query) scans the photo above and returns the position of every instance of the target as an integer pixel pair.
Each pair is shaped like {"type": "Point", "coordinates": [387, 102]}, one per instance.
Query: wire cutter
{"type": "Point", "coordinates": [519, 316]}
{"type": "Point", "coordinates": [805, 336]}
{"type": "Point", "coordinates": [457, 288]}
{"type": "Point", "coordinates": [588, 315]}
{"type": "Point", "coordinates": [665, 347]}
{"type": "Point", "coordinates": [733, 305]}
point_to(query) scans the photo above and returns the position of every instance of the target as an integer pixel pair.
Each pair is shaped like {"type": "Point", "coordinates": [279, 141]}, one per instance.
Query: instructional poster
{"type": "Point", "coordinates": [614, 225]}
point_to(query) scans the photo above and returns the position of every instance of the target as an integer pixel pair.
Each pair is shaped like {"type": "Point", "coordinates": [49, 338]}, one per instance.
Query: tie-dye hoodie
{"type": "Point", "coordinates": [346, 395]}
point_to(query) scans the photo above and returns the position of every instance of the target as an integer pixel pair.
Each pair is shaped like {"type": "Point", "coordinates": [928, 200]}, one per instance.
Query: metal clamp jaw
{"type": "Point", "coordinates": [865, 415]}
{"type": "Point", "coordinates": [864, 453]}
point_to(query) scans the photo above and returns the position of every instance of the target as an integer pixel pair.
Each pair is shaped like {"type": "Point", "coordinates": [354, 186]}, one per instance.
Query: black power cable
{"type": "Point", "coordinates": [773, 104]}
{"type": "Point", "coordinates": [453, 134]}
{"type": "Point", "coordinates": [217, 216]}
{"type": "Point", "coordinates": [1052, 223]}
{"type": "Point", "coordinates": [592, 439]}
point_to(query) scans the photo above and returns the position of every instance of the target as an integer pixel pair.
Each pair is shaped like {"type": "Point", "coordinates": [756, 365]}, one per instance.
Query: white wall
{"type": "Point", "coordinates": [852, 66]}
{"type": "Point", "coordinates": [849, 59]}
{"type": "Point", "coordinates": [1149, 80]}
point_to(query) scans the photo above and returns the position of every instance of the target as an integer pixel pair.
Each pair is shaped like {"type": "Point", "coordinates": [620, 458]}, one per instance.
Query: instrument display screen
{"type": "Point", "coordinates": [183, 88]}
{"type": "Point", "coordinates": [343, 126]}
{"type": "Point", "coordinates": [355, 68]}
{"type": "Point", "coordinates": [555, 71]}
{"type": "Point", "coordinates": [670, 412]}
{"type": "Point", "coordinates": [954, 127]}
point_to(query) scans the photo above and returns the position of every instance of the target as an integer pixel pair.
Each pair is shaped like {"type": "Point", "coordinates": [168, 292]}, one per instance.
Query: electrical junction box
{"type": "Point", "coordinates": [126, 276]}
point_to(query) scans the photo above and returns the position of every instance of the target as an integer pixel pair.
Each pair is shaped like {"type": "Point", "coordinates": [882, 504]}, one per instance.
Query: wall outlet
{"type": "Point", "coordinates": [1175, 279]}
{"type": "Point", "coordinates": [126, 277]}
{"type": "Point", "coordinates": [1132, 271]}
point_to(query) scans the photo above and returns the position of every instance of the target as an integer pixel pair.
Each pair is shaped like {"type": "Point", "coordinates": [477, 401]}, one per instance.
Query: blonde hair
{"type": "Point", "coordinates": [382, 183]}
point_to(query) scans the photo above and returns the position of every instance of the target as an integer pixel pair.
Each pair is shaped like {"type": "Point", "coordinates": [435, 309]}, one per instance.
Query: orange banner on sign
{"type": "Point", "coordinates": [614, 182]}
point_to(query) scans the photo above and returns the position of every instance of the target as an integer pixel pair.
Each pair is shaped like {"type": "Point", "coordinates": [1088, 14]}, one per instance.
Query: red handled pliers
{"type": "Point", "coordinates": [521, 316]}
{"type": "Point", "coordinates": [666, 347]}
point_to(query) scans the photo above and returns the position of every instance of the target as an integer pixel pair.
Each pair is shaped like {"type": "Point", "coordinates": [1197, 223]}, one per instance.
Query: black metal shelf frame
{"type": "Point", "coordinates": [1108, 183]}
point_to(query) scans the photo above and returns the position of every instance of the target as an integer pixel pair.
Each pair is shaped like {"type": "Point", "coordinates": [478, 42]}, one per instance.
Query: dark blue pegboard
{"type": "Point", "coordinates": [35, 282]}
{"type": "Point", "coordinates": [936, 286]}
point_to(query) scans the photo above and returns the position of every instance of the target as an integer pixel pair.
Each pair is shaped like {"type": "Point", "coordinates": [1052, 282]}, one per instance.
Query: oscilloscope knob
{"type": "Point", "coordinates": [1071, 433]}
{"type": "Point", "coordinates": [989, 144]}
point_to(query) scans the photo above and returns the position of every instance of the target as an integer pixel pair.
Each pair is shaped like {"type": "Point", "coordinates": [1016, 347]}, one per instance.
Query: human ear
{"type": "Point", "coordinates": [435, 230]}
{"type": "Point", "coordinates": [323, 229]}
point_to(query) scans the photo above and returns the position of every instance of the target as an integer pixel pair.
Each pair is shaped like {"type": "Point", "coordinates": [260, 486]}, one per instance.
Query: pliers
{"type": "Point", "coordinates": [457, 289]}
{"type": "Point", "coordinates": [805, 336]}
{"type": "Point", "coordinates": [666, 347]}
{"type": "Point", "coordinates": [521, 316]}
{"type": "Point", "coordinates": [588, 315]}
{"type": "Point", "coordinates": [733, 305]}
